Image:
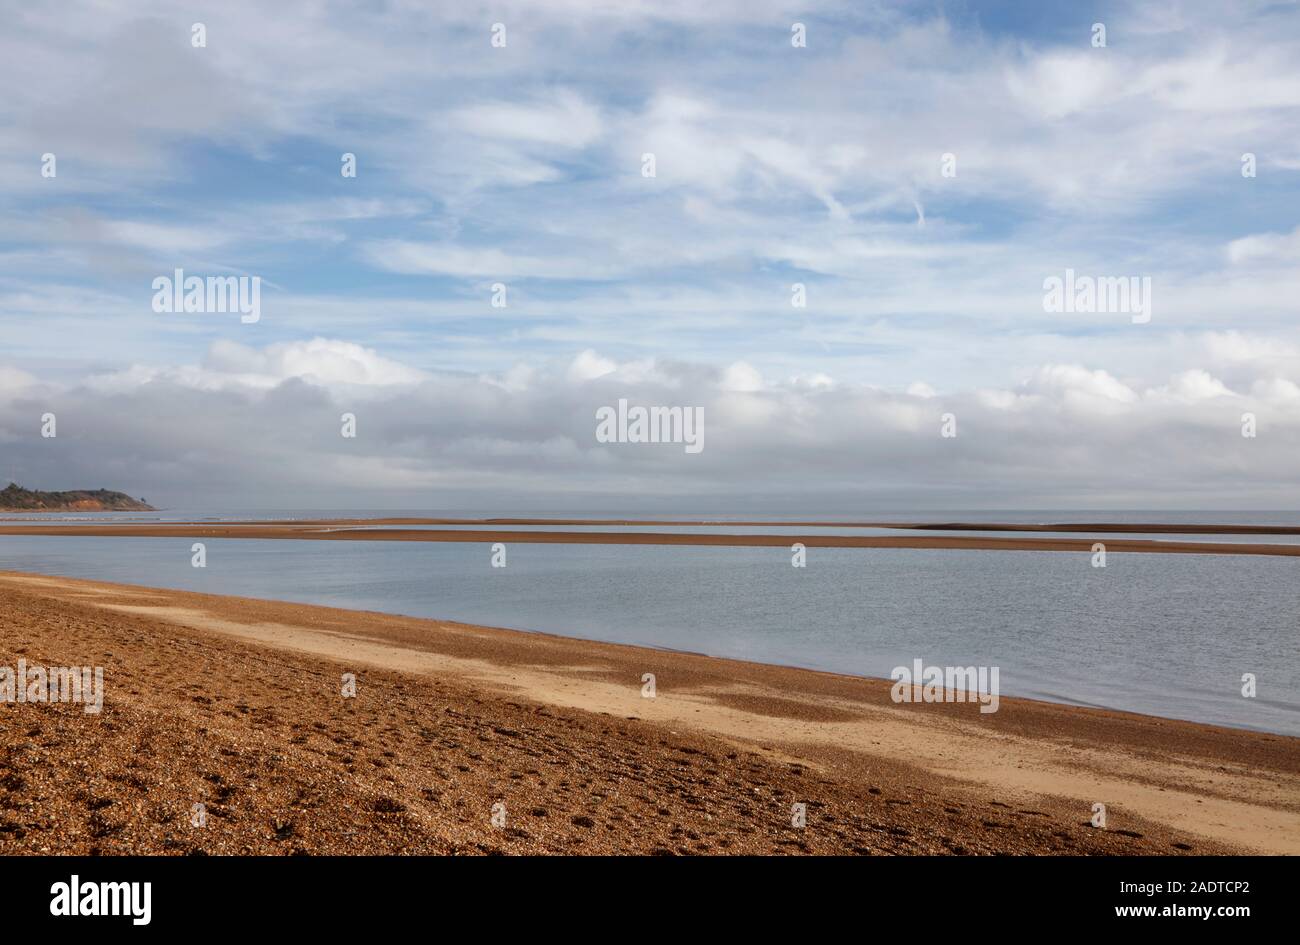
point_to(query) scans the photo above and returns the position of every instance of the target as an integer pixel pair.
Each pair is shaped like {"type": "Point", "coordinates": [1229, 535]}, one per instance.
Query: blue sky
{"type": "Point", "coordinates": [775, 165]}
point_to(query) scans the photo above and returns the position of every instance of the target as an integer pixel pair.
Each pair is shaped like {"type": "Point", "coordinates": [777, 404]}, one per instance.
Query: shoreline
{"type": "Point", "coordinates": [314, 531]}
{"type": "Point", "coordinates": [1171, 528]}
{"type": "Point", "coordinates": [948, 778]}
{"type": "Point", "coordinates": [645, 645]}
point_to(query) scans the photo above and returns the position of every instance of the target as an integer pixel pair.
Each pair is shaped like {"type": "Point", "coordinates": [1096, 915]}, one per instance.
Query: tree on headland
{"type": "Point", "coordinates": [16, 498]}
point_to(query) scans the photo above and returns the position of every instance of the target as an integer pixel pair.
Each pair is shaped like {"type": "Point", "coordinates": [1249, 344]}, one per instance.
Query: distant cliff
{"type": "Point", "coordinates": [15, 498]}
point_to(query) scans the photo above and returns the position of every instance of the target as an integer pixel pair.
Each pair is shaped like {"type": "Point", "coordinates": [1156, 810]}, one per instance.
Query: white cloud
{"type": "Point", "coordinates": [1191, 387]}
{"type": "Point", "coordinates": [588, 366]}
{"type": "Point", "coordinates": [1275, 247]}
{"type": "Point", "coordinates": [230, 366]}
{"type": "Point", "coordinates": [162, 238]}
{"type": "Point", "coordinates": [1057, 85]}
{"type": "Point", "coordinates": [12, 380]}
{"type": "Point", "coordinates": [741, 377]}
{"type": "Point", "coordinates": [1077, 384]}
{"type": "Point", "coordinates": [565, 121]}
{"type": "Point", "coordinates": [1069, 436]}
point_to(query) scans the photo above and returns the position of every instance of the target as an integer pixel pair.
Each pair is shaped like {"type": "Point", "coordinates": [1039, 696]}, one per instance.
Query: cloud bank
{"type": "Point", "coordinates": [269, 424]}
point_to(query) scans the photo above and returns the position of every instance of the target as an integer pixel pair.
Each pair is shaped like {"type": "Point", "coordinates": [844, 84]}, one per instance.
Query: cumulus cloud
{"type": "Point", "coordinates": [1066, 436]}
{"type": "Point", "coordinates": [12, 379]}
{"type": "Point", "coordinates": [588, 365]}
{"type": "Point", "coordinates": [1079, 385]}
{"type": "Point", "coordinates": [1191, 387]}
{"type": "Point", "coordinates": [741, 377]}
{"type": "Point", "coordinates": [231, 366]}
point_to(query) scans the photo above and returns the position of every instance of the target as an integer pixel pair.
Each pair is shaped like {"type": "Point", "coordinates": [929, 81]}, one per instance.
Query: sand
{"type": "Point", "coordinates": [345, 531]}
{"type": "Point", "coordinates": [1099, 527]}
{"type": "Point", "coordinates": [236, 704]}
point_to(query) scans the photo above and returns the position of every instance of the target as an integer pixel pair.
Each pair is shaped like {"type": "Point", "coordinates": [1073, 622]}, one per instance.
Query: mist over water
{"type": "Point", "coordinates": [1167, 635]}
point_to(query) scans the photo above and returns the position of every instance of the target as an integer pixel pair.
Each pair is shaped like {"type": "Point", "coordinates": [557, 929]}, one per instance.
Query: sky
{"type": "Point", "coordinates": [919, 170]}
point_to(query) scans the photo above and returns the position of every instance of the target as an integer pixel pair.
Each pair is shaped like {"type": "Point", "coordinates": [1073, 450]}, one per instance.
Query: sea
{"type": "Point", "coordinates": [1170, 635]}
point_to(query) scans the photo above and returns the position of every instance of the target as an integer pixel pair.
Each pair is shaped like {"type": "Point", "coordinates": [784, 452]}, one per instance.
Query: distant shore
{"type": "Point", "coordinates": [235, 704]}
{"type": "Point", "coordinates": [1103, 527]}
{"type": "Point", "coordinates": [14, 498]}
{"type": "Point", "coordinates": [1137, 528]}
{"type": "Point", "coordinates": [383, 530]}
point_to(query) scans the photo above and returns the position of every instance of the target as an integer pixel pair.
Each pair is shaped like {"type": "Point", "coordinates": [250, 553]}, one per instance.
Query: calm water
{"type": "Point", "coordinates": [1167, 635]}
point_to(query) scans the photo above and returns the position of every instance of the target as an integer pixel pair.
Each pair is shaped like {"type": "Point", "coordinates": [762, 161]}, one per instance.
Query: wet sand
{"type": "Point", "coordinates": [236, 704]}
{"type": "Point", "coordinates": [345, 531]}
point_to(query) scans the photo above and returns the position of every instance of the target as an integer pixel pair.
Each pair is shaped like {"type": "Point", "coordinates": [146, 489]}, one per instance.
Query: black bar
{"type": "Point", "coordinates": [364, 895]}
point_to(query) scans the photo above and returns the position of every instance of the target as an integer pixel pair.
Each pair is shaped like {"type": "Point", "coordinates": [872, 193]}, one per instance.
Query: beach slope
{"type": "Point", "coordinates": [464, 739]}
